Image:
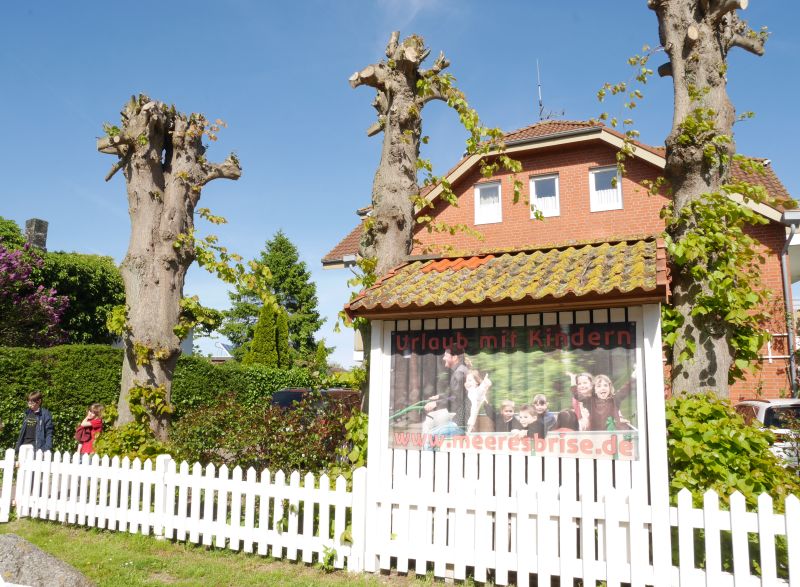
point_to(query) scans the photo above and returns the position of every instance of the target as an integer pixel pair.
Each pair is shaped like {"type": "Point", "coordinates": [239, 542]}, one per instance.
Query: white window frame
{"type": "Point", "coordinates": [483, 215]}
{"type": "Point", "coordinates": [594, 204]}
{"type": "Point", "coordinates": [556, 210]}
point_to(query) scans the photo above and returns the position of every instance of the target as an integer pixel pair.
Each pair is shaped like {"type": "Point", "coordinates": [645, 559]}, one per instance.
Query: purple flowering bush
{"type": "Point", "coordinates": [29, 313]}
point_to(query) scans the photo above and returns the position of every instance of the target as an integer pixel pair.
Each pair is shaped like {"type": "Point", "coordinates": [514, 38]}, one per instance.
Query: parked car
{"type": "Point", "coordinates": [782, 418]}
{"type": "Point", "coordinates": [285, 398]}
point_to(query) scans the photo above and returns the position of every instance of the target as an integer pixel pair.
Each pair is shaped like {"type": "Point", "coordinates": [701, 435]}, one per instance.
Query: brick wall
{"type": "Point", "coordinates": [639, 216]}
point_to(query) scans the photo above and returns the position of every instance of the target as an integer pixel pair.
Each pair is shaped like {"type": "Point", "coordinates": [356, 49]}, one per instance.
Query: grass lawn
{"type": "Point", "coordinates": [117, 559]}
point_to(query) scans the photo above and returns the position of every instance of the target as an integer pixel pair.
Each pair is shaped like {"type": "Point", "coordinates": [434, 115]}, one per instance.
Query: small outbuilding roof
{"type": "Point", "coordinates": [568, 277]}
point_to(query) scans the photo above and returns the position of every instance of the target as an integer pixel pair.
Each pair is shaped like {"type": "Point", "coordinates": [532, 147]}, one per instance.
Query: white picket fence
{"type": "Point", "coordinates": [455, 528]}
{"type": "Point", "coordinates": [204, 505]}
{"type": "Point", "coordinates": [6, 483]}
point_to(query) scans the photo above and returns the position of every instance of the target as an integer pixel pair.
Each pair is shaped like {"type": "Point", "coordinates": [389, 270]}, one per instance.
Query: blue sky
{"type": "Point", "coordinates": [277, 74]}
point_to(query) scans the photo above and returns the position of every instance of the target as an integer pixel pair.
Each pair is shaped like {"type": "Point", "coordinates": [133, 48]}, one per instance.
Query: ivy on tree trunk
{"type": "Point", "coordinates": [162, 156]}
{"type": "Point", "coordinates": [697, 36]}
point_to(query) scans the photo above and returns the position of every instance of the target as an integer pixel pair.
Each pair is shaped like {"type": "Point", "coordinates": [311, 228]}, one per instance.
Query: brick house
{"type": "Point", "coordinates": [568, 173]}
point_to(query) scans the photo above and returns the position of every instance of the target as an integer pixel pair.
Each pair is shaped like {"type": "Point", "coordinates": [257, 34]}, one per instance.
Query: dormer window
{"type": "Point", "coordinates": [544, 195]}
{"type": "Point", "coordinates": [605, 189]}
{"type": "Point", "coordinates": [488, 208]}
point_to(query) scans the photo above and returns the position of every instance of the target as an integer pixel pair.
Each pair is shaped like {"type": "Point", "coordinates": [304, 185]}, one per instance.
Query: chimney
{"type": "Point", "coordinates": [36, 232]}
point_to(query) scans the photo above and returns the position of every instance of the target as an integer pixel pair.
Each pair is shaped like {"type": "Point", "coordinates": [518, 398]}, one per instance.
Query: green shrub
{"type": "Point", "coordinates": [74, 376]}
{"type": "Point", "coordinates": [306, 437]}
{"type": "Point", "coordinates": [71, 377]}
{"type": "Point", "coordinates": [711, 447]}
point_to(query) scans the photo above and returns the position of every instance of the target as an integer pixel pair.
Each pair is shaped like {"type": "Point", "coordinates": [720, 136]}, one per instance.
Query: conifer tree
{"type": "Point", "coordinates": [282, 340]}
{"type": "Point", "coordinates": [294, 291]}
{"type": "Point", "coordinates": [263, 349]}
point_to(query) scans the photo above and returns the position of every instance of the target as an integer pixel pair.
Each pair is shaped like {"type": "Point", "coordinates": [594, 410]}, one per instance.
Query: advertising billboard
{"type": "Point", "coordinates": [557, 390]}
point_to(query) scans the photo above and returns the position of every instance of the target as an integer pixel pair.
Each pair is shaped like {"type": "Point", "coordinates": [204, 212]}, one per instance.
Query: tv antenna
{"type": "Point", "coordinates": [544, 114]}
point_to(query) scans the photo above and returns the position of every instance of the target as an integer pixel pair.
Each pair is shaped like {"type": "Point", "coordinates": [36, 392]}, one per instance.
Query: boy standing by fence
{"type": "Point", "coordinates": [37, 425]}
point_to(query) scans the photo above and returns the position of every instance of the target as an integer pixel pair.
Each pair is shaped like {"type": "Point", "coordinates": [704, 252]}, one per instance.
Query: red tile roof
{"type": "Point", "coordinates": [349, 245]}
{"type": "Point", "coordinates": [548, 128]}
{"type": "Point", "coordinates": [606, 270]}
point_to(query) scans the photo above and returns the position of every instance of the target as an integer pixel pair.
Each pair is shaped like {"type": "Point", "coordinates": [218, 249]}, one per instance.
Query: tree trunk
{"type": "Point", "coordinates": [697, 35]}
{"type": "Point", "coordinates": [388, 236]}
{"type": "Point", "coordinates": [160, 152]}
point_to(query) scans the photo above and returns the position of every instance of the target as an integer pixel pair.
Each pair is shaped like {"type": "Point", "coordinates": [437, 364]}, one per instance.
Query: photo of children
{"type": "Point", "coordinates": [553, 390]}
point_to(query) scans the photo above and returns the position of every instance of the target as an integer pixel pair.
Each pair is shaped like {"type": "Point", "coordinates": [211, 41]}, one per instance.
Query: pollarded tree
{"type": "Point", "coordinates": [388, 235]}
{"type": "Point", "coordinates": [707, 326]}
{"type": "Point", "coordinates": [162, 156]}
{"type": "Point", "coordinates": [403, 88]}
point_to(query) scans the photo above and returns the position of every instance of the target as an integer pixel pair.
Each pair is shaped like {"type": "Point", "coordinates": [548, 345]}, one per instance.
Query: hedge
{"type": "Point", "coordinates": [74, 376]}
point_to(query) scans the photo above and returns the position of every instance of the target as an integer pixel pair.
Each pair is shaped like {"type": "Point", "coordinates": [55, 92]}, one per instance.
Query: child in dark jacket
{"type": "Point", "coordinates": [37, 425]}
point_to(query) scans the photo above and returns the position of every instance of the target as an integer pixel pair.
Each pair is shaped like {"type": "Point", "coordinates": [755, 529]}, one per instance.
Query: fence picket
{"type": "Point", "coordinates": [135, 516]}
{"type": "Point", "coordinates": [249, 510]}
{"type": "Point", "coordinates": [545, 553]}
{"type": "Point", "coordinates": [44, 491]}
{"type": "Point", "coordinates": [94, 483]}
{"type": "Point", "coordinates": [340, 518]}
{"type": "Point", "coordinates": [114, 490]}
{"type": "Point", "coordinates": [124, 493]}
{"type": "Point", "coordinates": [501, 519]}
{"type": "Point", "coordinates": [793, 539]}
{"type": "Point", "coordinates": [207, 524]}
{"type": "Point", "coordinates": [101, 509]}
{"type": "Point", "coordinates": [711, 519]}
{"type": "Point", "coordinates": [7, 467]}
{"type": "Point", "coordinates": [195, 500]}
{"type": "Point", "coordinates": [264, 530]}
{"type": "Point", "coordinates": [526, 498]}
{"type": "Point", "coordinates": [83, 471]}
{"type": "Point", "coordinates": [359, 520]}
{"type": "Point", "coordinates": [63, 493]}
{"type": "Point", "coordinates": [613, 538]}
{"type": "Point", "coordinates": [638, 555]}
{"type": "Point", "coordinates": [325, 513]}
{"type": "Point", "coordinates": [401, 529]}
{"type": "Point", "coordinates": [568, 531]}
{"type": "Point", "coordinates": [424, 486]}
{"type": "Point", "coordinates": [169, 500]}
{"type": "Point", "coordinates": [588, 543]}
{"type": "Point", "coordinates": [308, 517]}
{"type": "Point", "coordinates": [294, 504]}
{"type": "Point", "coordinates": [148, 521]}
{"type": "Point", "coordinates": [278, 519]}
{"type": "Point", "coordinates": [235, 527]}
{"type": "Point", "coordinates": [181, 483]}
{"type": "Point", "coordinates": [685, 537]}
{"type": "Point", "coordinates": [766, 540]}
{"type": "Point", "coordinates": [741, 556]}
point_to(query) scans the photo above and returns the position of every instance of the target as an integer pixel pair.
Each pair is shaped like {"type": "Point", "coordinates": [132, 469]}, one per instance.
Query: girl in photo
{"type": "Point", "coordinates": [604, 406]}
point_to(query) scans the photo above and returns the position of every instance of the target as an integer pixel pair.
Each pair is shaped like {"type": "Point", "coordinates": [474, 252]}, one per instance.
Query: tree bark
{"type": "Point", "coordinates": [697, 35]}
{"type": "Point", "coordinates": [161, 154]}
{"type": "Point", "coordinates": [388, 237]}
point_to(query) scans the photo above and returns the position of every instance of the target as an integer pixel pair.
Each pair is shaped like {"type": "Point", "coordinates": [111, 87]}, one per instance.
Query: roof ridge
{"type": "Point", "coordinates": [587, 123]}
